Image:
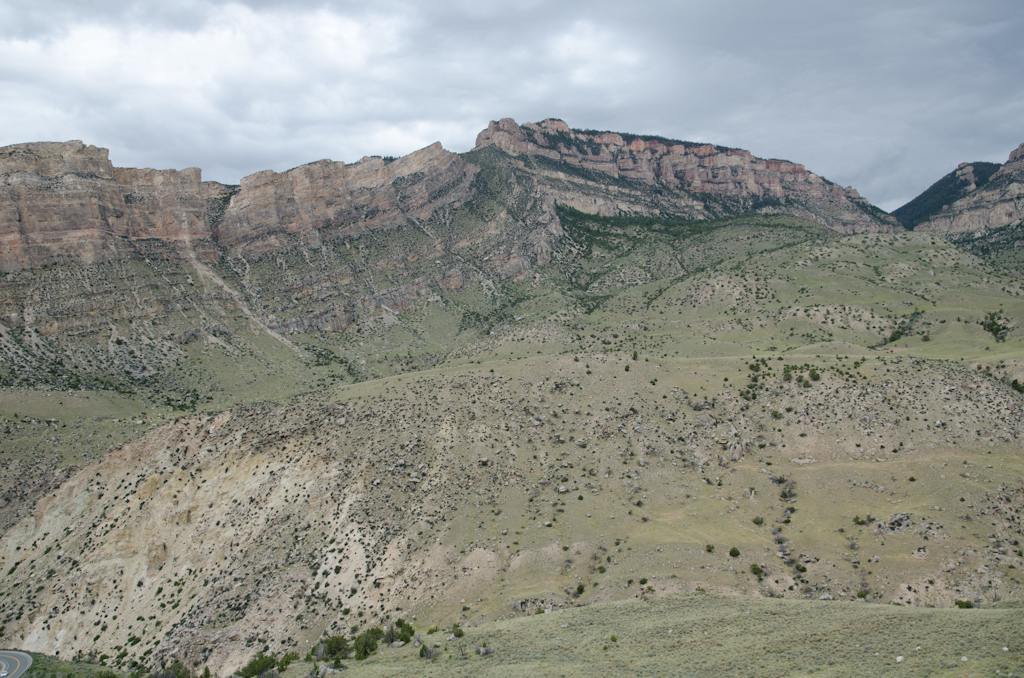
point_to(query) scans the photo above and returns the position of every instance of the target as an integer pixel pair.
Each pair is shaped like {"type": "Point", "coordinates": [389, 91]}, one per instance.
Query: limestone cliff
{"type": "Point", "coordinates": [997, 202]}
{"type": "Point", "coordinates": [275, 211]}
{"type": "Point", "coordinates": [58, 203]}
{"type": "Point", "coordinates": [961, 182]}
{"type": "Point", "coordinates": [718, 174]}
{"type": "Point", "coordinates": [66, 203]}
{"type": "Point", "coordinates": [166, 211]}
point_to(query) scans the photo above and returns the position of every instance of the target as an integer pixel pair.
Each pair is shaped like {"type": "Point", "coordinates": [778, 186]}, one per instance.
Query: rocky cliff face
{"type": "Point", "coordinates": [961, 182]}
{"type": "Point", "coordinates": [998, 202]}
{"type": "Point", "coordinates": [328, 199]}
{"type": "Point", "coordinates": [735, 176]}
{"type": "Point", "coordinates": [329, 246]}
{"type": "Point", "coordinates": [166, 212]}
{"type": "Point", "coordinates": [66, 203]}
{"type": "Point", "coordinates": [59, 202]}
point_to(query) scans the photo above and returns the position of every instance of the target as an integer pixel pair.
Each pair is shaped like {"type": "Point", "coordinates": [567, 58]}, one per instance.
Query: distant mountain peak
{"type": "Point", "coordinates": [973, 196]}
{"type": "Point", "coordinates": [719, 175]}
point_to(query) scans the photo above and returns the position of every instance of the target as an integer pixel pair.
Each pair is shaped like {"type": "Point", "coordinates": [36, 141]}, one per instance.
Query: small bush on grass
{"type": "Point", "coordinates": [259, 664]}
{"type": "Point", "coordinates": [288, 658]}
{"type": "Point", "coordinates": [366, 642]}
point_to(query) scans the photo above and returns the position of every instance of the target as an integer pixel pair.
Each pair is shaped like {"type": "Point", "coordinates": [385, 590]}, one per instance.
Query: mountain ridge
{"type": "Point", "coordinates": [967, 177]}
{"type": "Point", "coordinates": [995, 203]}
{"type": "Point", "coordinates": [66, 202]}
{"type": "Point", "coordinates": [695, 168]}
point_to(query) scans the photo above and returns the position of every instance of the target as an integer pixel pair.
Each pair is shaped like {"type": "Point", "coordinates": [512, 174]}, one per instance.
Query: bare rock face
{"type": "Point", "coordinates": [275, 211]}
{"type": "Point", "coordinates": [59, 202]}
{"type": "Point", "coordinates": [998, 202]}
{"type": "Point", "coordinates": [251, 249]}
{"type": "Point", "coordinates": [66, 203]}
{"type": "Point", "coordinates": [729, 173]}
{"type": "Point", "coordinates": [166, 212]}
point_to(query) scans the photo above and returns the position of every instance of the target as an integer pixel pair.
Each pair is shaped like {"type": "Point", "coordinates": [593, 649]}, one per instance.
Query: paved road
{"type": "Point", "coordinates": [14, 663]}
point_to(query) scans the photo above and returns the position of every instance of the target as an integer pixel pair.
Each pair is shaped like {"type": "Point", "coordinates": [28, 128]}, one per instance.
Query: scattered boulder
{"type": "Point", "coordinates": [705, 419]}
{"type": "Point", "coordinates": [188, 336]}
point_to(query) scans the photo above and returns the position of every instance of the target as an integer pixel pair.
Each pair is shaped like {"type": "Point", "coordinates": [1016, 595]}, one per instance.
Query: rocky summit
{"type": "Point", "coordinates": [997, 201]}
{"type": "Point", "coordinates": [712, 174]}
{"type": "Point", "coordinates": [575, 397]}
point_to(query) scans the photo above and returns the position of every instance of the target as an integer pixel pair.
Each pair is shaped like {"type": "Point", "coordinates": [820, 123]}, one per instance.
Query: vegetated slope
{"type": "Point", "coordinates": [1000, 245]}
{"type": "Point", "coordinates": [966, 178]}
{"type": "Point", "coordinates": [190, 346]}
{"type": "Point", "coordinates": [214, 537]}
{"type": "Point", "coordinates": [689, 635]}
{"type": "Point", "coordinates": [623, 373]}
{"type": "Point", "coordinates": [175, 291]}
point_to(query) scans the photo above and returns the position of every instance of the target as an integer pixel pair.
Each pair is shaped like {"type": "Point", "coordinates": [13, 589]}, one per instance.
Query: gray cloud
{"type": "Point", "coordinates": [884, 96]}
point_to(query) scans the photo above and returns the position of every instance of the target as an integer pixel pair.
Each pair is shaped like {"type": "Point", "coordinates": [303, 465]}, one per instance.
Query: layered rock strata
{"type": "Point", "coordinates": [275, 211]}
{"type": "Point", "coordinates": [66, 203]}
{"type": "Point", "coordinates": [998, 202]}
{"type": "Point", "coordinates": [730, 174]}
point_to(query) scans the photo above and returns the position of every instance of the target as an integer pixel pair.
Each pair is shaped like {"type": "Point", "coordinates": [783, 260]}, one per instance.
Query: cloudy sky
{"type": "Point", "coordinates": [886, 96]}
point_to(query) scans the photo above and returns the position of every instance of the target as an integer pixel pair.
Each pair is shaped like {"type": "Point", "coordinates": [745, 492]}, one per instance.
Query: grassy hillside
{"type": "Point", "coordinates": [1000, 246]}
{"type": "Point", "coordinates": [699, 635]}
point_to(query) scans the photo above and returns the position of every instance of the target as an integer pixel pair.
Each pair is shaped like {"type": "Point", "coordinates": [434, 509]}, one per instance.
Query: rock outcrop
{"type": "Point", "coordinates": [743, 181]}
{"type": "Point", "coordinates": [275, 211]}
{"type": "Point", "coordinates": [997, 202]}
{"type": "Point", "coordinates": [327, 245]}
{"type": "Point", "coordinates": [66, 203]}
{"type": "Point", "coordinates": [166, 211]}
{"type": "Point", "coordinates": [959, 183]}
